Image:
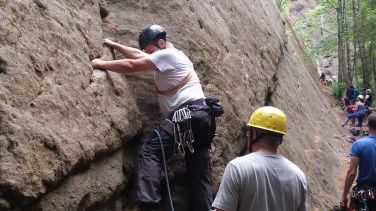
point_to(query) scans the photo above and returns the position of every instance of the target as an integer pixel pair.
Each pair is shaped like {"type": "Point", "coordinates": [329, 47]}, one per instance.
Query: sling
{"type": "Point", "coordinates": [175, 88]}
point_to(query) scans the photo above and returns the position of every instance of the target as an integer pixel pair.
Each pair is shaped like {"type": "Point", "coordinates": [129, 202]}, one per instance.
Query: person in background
{"type": "Point", "coordinates": [350, 108]}
{"type": "Point", "coordinates": [322, 79]}
{"type": "Point", "coordinates": [368, 100]}
{"type": "Point", "coordinates": [263, 180]}
{"type": "Point", "coordinates": [363, 165]}
{"type": "Point", "coordinates": [354, 94]}
{"type": "Point", "coordinates": [359, 114]}
{"type": "Point", "coordinates": [349, 92]}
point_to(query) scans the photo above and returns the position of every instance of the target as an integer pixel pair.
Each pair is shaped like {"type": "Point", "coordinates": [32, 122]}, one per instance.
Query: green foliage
{"type": "Point", "coordinates": [328, 45]}
{"type": "Point", "coordinates": [318, 11]}
{"type": "Point", "coordinates": [374, 93]}
{"type": "Point", "coordinates": [370, 21]}
{"type": "Point", "coordinates": [338, 89]}
{"type": "Point", "coordinates": [318, 31]}
{"type": "Point", "coordinates": [284, 5]}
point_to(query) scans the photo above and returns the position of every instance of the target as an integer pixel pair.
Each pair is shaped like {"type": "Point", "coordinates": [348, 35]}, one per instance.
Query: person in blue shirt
{"type": "Point", "coordinates": [363, 165]}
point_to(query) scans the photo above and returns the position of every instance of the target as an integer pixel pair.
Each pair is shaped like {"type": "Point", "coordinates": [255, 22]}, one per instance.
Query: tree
{"type": "Point", "coordinates": [362, 47]}
{"type": "Point", "coordinates": [355, 39]}
{"type": "Point", "coordinates": [341, 41]}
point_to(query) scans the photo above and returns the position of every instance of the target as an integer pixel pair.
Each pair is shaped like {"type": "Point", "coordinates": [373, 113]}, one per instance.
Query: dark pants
{"type": "Point", "coordinates": [150, 162]}
{"type": "Point", "coordinates": [359, 115]}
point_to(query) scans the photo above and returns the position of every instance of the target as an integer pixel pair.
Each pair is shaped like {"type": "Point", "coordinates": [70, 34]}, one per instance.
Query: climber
{"type": "Point", "coordinates": [182, 102]}
{"type": "Point", "coordinates": [362, 162]}
{"type": "Point", "coordinates": [263, 180]}
{"type": "Point", "coordinates": [322, 79]}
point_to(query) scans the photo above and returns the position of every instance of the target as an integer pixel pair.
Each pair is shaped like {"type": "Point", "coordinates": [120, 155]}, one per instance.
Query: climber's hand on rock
{"type": "Point", "coordinates": [96, 63]}
{"type": "Point", "coordinates": [109, 43]}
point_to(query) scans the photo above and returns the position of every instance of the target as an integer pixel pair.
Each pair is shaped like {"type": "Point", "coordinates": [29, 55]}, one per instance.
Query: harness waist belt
{"type": "Point", "coordinates": [198, 102]}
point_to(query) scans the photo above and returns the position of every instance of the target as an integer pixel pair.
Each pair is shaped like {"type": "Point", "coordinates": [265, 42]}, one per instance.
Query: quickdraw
{"type": "Point", "coordinates": [361, 196]}
{"type": "Point", "coordinates": [183, 130]}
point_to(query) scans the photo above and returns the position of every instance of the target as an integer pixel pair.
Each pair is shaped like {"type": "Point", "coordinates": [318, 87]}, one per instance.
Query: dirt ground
{"type": "Point", "coordinates": [346, 138]}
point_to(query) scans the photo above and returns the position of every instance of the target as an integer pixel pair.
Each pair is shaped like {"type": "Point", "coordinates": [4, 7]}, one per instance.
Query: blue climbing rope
{"type": "Point", "coordinates": [165, 170]}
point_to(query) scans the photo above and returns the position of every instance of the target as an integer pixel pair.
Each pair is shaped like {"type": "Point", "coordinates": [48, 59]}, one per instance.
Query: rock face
{"type": "Point", "coordinates": [69, 135]}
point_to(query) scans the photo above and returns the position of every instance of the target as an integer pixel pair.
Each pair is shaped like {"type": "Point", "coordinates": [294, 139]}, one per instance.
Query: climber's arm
{"type": "Point", "coordinates": [127, 52]}
{"type": "Point", "coordinates": [124, 65]}
{"type": "Point", "coordinates": [350, 177]}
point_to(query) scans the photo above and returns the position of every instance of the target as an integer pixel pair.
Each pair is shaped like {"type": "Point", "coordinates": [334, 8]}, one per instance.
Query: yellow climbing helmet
{"type": "Point", "coordinates": [269, 118]}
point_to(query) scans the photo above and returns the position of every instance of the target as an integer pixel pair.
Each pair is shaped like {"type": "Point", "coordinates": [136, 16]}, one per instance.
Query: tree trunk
{"type": "Point", "coordinates": [355, 41]}
{"type": "Point", "coordinates": [347, 44]}
{"type": "Point", "coordinates": [374, 65]}
{"type": "Point", "coordinates": [365, 65]}
{"type": "Point", "coordinates": [363, 51]}
{"type": "Point", "coordinates": [371, 57]}
{"type": "Point", "coordinates": [341, 49]}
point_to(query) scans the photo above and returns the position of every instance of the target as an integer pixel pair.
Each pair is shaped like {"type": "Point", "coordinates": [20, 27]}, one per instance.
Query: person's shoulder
{"type": "Point", "coordinates": [237, 160]}
{"type": "Point", "coordinates": [163, 54]}
{"type": "Point", "coordinates": [364, 139]}
{"type": "Point", "coordinates": [166, 51]}
{"type": "Point", "coordinates": [243, 159]}
{"type": "Point", "coordinates": [360, 143]}
{"type": "Point", "coordinates": [295, 168]}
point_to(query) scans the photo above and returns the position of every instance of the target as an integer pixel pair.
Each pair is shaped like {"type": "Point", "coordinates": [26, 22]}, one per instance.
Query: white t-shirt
{"type": "Point", "coordinates": [262, 181]}
{"type": "Point", "coordinates": [172, 66]}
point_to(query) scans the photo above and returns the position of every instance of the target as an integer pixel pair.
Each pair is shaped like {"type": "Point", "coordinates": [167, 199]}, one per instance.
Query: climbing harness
{"type": "Point", "coordinates": [354, 132]}
{"type": "Point", "coordinates": [165, 170]}
{"type": "Point", "coordinates": [362, 195]}
{"type": "Point", "coordinates": [180, 128]}
{"type": "Point", "coordinates": [183, 130]}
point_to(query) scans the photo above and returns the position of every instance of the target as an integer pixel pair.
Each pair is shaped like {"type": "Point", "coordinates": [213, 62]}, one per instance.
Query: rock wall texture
{"type": "Point", "coordinates": [69, 135]}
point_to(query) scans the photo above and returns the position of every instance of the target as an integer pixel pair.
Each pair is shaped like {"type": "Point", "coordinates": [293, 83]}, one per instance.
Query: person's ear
{"type": "Point", "coordinates": [162, 43]}
{"type": "Point", "coordinates": [253, 133]}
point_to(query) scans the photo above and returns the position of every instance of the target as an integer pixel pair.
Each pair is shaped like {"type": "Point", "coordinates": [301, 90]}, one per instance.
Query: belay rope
{"type": "Point", "coordinates": [183, 130]}
{"type": "Point", "coordinates": [165, 170]}
{"type": "Point", "coordinates": [183, 137]}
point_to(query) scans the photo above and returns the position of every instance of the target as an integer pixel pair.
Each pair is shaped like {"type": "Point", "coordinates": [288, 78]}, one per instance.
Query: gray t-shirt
{"type": "Point", "coordinates": [262, 181]}
{"type": "Point", "coordinates": [173, 66]}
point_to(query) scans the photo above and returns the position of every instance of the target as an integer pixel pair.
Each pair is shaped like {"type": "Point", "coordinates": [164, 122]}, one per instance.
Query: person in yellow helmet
{"type": "Point", "coordinates": [263, 180]}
